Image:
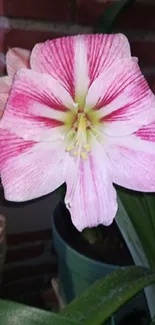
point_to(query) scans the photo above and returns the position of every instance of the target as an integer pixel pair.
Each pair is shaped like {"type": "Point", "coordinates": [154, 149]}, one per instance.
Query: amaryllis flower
{"type": "Point", "coordinates": [82, 115]}
{"type": "Point", "coordinates": [16, 58]}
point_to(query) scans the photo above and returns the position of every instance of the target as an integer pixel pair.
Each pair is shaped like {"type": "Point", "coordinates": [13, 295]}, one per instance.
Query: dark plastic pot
{"type": "Point", "coordinates": [77, 271]}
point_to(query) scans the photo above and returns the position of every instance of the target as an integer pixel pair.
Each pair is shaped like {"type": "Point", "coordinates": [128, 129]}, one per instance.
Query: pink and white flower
{"type": "Point", "coordinates": [83, 115]}
{"type": "Point", "coordinates": [16, 58]}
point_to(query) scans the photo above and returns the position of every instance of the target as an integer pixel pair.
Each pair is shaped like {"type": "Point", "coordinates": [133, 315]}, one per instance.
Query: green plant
{"type": "Point", "coordinates": [94, 307]}
{"type": "Point", "coordinates": [136, 221]}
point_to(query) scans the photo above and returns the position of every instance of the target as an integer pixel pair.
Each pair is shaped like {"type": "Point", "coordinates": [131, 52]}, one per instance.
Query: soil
{"type": "Point", "coordinates": [110, 248]}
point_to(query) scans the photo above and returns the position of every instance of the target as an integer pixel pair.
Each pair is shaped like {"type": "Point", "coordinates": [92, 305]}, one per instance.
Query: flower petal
{"type": "Point", "coordinates": [3, 100]}
{"type": "Point", "coordinates": [36, 107]}
{"type": "Point", "coordinates": [132, 159]}
{"type": "Point", "coordinates": [92, 200]}
{"type": "Point", "coordinates": [5, 84]}
{"type": "Point", "coordinates": [17, 58]}
{"type": "Point", "coordinates": [28, 169]}
{"type": "Point", "coordinates": [81, 71]}
{"type": "Point", "coordinates": [147, 133]}
{"type": "Point", "coordinates": [122, 98]}
{"type": "Point", "coordinates": [77, 61]}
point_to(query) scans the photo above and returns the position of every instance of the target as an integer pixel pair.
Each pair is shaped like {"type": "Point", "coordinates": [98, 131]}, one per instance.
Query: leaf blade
{"type": "Point", "coordinates": [136, 249]}
{"type": "Point", "coordinates": [12, 313]}
{"type": "Point", "coordinates": [108, 294]}
{"type": "Point", "coordinates": [136, 206]}
{"type": "Point", "coordinates": [153, 321]}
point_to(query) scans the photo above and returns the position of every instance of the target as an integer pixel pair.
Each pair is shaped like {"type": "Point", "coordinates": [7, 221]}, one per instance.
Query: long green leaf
{"type": "Point", "coordinates": [130, 236]}
{"type": "Point", "coordinates": [108, 294]}
{"type": "Point", "coordinates": [12, 313]}
{"type": "Point", "coordinates": [153, 322]}
{"type": "Point", "coordinates": [105, 23]}
{"type": "Point", "coordinates": [136, 249]}
{"type": "Point", "coordinates": [141, 209]}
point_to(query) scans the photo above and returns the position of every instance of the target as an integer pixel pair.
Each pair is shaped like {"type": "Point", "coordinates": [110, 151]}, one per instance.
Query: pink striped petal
{"type": "Point", "coordinates": [122, 98]}
{"type": "Point", "coordinates": [28, 169]}
{"type": "Point", "coordinates": [77, 61]}
{"type": "Point", "coordinates": [147, 133]}
{"type": "Point", "coordinates": [91, 197]}
{"type": "Point", "coordinates": [36, 107]}
{"type": "Point", "coordinates": [132, 159]}
{"type": "Point", "coordinates": [17, 58]}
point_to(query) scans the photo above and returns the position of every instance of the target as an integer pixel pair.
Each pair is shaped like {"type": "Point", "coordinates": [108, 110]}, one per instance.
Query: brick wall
{"type": "Point", "coordinates": [23, 23]}
{"type": "Point", "coordinates": [30, 260]}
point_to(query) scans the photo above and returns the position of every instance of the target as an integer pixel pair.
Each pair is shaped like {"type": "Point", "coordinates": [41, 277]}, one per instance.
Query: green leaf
{"type": "Point", "coordinates": [105, 23]}
{"type": "Point", "coordinates": [135, 247]}
{"type": "Point", "coordinates": [153, 322]}
{"type": "Point", "coordinates": [141, 209]}
{"type": "Point", "coordinates": [16, 314]}
{"type": "Point", "coordinates": [130, 235]}
{"type": "Point", "coordinates": [108, 294]}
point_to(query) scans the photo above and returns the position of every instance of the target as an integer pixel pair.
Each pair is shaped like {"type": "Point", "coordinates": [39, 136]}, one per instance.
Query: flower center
{"type": "Point", "coordinates": [78, 135]}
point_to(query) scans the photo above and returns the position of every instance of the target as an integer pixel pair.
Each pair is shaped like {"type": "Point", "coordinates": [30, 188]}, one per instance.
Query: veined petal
{"type": "Point", "coordinates": [5, 84]}
{"type": "Point", "coordinates": [147, 133]}
{"type": "Point", "coordinates": [3, 100]}
{"type": "Point", "coordinates": [122, 98]}
{"type": "Point", "coordinates": [62, 58]}
{"type": "Point", "coordinates": [28, 169]}
{"type": "Point", "coordinates": [36, 107]}
{"type": "Point", "coordinates": [93, 198]}
{"type": "Point", "coordinates": [17, 58]}
{"type": "Point", "coordinates": [81, 71]}
{"type": "Point", "coordinates": [104, 50]}
{"type": "Point", "coordinates": [56, 58]}
{"type": "Point", "coordinates": [132, 159]}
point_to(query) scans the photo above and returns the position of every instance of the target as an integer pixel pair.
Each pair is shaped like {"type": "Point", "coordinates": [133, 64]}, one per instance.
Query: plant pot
{"type": "Point", "coordinates": [78, 271]}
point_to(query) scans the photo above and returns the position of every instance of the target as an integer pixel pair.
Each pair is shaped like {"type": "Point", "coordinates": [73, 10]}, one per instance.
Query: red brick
{"type": "Point", "coordinates": [89, 11]}
{"type": "Point", "coordinates": [145, 51]}
{"type": "Point", "coordinates": [3, 33]}
{"type": "Point", "coordinates": [1, 7]}
{"type": "Point", "coordinates": [56, 10]}
{"type": "Point", "coordinates": [23, 254]}
{"type": "Point", "coordinates": [28, 237]}
{"type": "Point", "coordinates": [27, 38]}
{"type": "Point", "coordinates": [151, 81]}
{"type": "Point", "coordinates": [138, 16]}
{"type": "Point", "coordinates": [28, 271]}
{"type": "Point", "coordinates": [21, 288]}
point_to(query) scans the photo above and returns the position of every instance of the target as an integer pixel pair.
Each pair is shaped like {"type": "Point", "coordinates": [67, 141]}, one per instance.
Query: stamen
{"type": "Point", "coordinates": [69, 148]}
{"type": "Point", "coordinates": [77, 143]}
{"type": "Point", "coordinates": [87, 147]}
{"type": "Point", "coordinates": [75, 153]}
{"type": "Point", "coordinates": [79, 146]}
{"type": "Point", "coordinates": [84, 155]}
